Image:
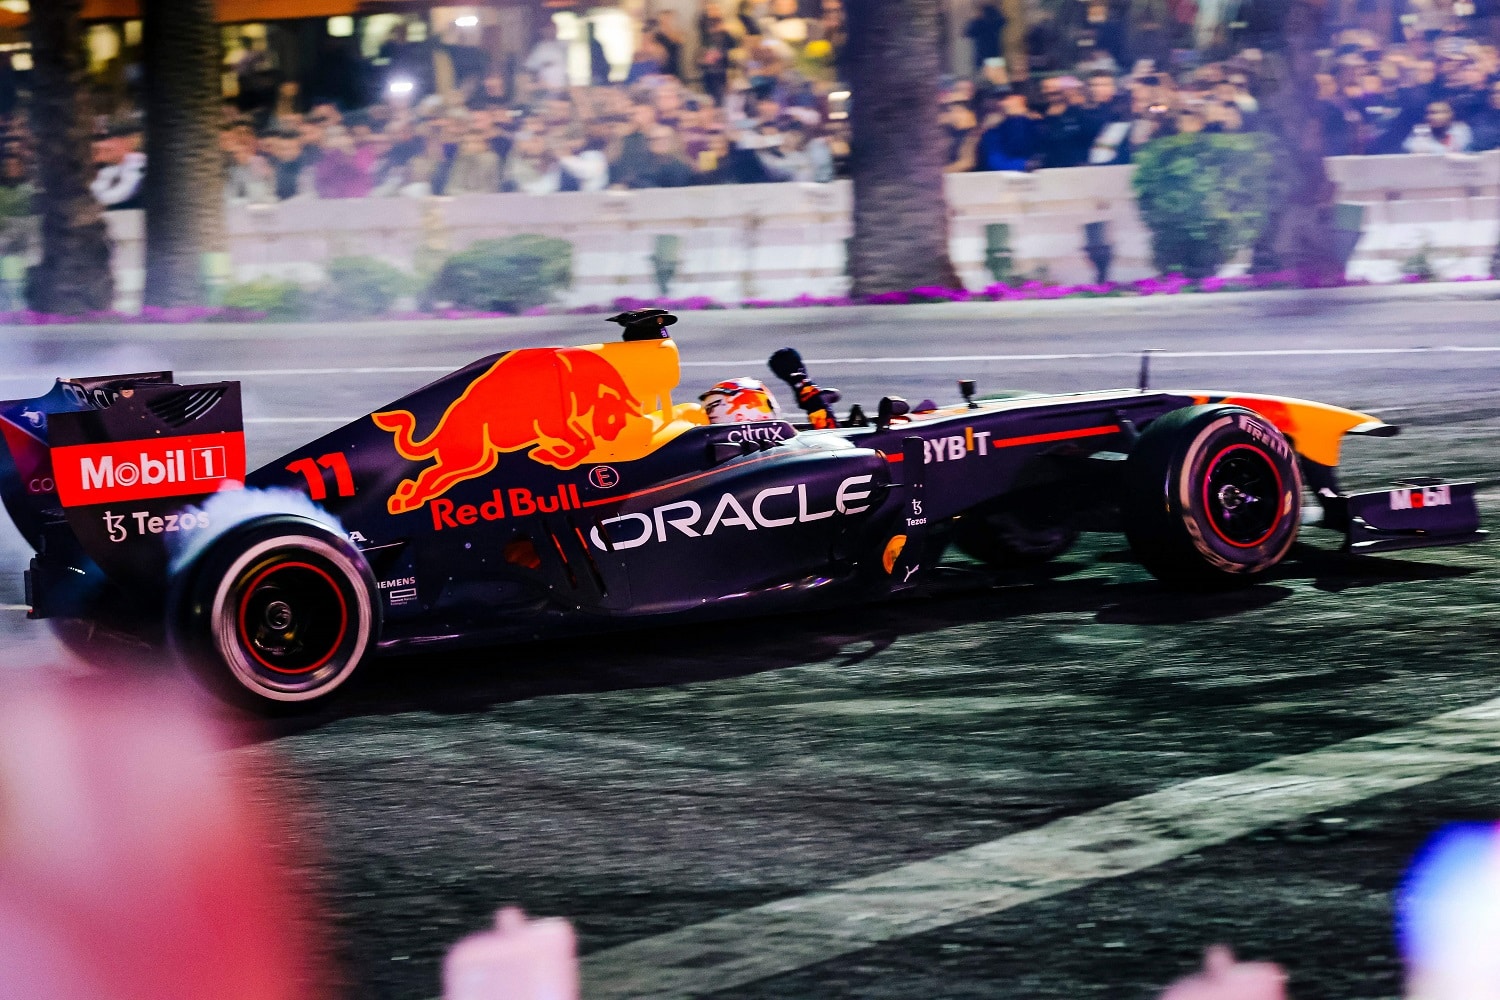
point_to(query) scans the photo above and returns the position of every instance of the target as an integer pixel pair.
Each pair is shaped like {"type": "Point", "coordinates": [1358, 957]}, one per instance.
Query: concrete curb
{"type": "Point", "coordinates": [1296, 301]}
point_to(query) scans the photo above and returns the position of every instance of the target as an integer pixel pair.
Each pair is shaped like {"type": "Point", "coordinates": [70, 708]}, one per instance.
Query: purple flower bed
{"type": "Point", "coordinates": [1169, 284]}
{"type": "Point", "coordinates": [148, 314]}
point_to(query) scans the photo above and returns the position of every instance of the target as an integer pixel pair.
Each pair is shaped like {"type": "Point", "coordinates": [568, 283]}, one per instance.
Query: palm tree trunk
{"type": "Point", "coordinates": [900, 215]}
{"type": "Point", "coordinates": [184, 191]}
{"type": "Point", "coordinates": [74, 275]}
{"type": "Point", "coordinates": [1300, 234]}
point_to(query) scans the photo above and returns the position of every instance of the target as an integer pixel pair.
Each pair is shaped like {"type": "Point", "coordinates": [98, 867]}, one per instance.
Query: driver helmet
{"type": "Point", "coordinates": [739, 401]}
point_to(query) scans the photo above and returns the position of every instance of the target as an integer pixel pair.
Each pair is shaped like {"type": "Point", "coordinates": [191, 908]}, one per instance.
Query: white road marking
{"type": "Point", "coordinates": [300, 420]}
{"type": "Point", "coordinates": [15, 607]}
{"type": "Point", "coordinates": [1073, 852]}
{"type": "Point", "coordinates": [930, 359]}
{"type": "Point", "coordinates": [905, 360]}
{"type": "Point", "coordinates": [255, 372]}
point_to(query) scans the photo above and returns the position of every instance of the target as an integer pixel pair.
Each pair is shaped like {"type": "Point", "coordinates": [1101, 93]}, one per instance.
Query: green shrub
{"type": "Point", "coordinates": [360, 287]}
{"type": "Point", "coordinates": [1420, 265]}
{"type": "Point", "coordinates": [278, 299]}
{"type": "Point", "coordinates": [509, 275]}
{"type": "Point", "coordinates": [1204, 198]}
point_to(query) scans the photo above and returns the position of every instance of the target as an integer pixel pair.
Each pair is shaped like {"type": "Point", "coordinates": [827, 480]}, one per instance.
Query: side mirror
{"type": "Point", "coordinates": [890, 407]}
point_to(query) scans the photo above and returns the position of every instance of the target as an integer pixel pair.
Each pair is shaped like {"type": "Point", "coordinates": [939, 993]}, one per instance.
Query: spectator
{"type": "Point", "coordinates": [531, 167]}
{"type": "Point", "coordinates": [802, 156]}
{"type": "Point", "coordinates": [1486, 127]}
{"type": "Point", "coordinates": [490, 95]}
{"type": "Point", "coordinates": [1107, 120]}
{"type": "Point", "coordinates": [1150, 104]}
{"type": "Point", "coordinates": [476, 168]}
{"type": "Point", "coordinates": [715, 45]}
{"type": "Point", "coordinates": [714, 164]}
{"type": "Point", "coordinates": [1065, 136]}
{"type": "Point", "coordinates": [649, 60]}
{"type": "Point", "coordinates": [599, 68]}
{"type": "Point", "coordinates": [426, 173]}
{"type": "Point", "coordinates": [984, 33]}
{"type": "Point", "coordinates": [749, 26]}
{"type": "Point", "coordinates": [256, 76]}
{"type": "Point", "coordinates": [251, 176]}
{"type": "Point", "coordinates": [291, 179]}
{"type": "Point", "coordinates": [1010, 137]}
{"type": "Point", "coordinates": [661, 166]}
{"type": "Point", "coordinates": [584, 165]}
{"type": "Point", "coordinates": [630, 152]}
{"type": "Point", "coordinates": [122, 169]}
{"type": "Point", "coordinates": [339, 173]}
{"type": "Point", "coordinates": [1439, 133]}
{"type": "Point", "coordinates": [961, 129]}
{"type": "Point", "coordinates": [665, 31]}
{"type": "Point", "coordinates": [287, 110]}
{"type": "Point", "coordinates": [548, 61]}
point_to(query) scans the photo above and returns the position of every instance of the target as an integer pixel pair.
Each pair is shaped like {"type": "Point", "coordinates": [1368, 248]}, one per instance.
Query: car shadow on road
{"type": "Point", "coordinates": [469, 681]}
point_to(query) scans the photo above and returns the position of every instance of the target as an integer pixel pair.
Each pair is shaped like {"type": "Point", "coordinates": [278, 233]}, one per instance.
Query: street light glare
{"type": "Point", "coordinates": [467, 21]}
{"type": "Point", "coordinates": [401, 87]}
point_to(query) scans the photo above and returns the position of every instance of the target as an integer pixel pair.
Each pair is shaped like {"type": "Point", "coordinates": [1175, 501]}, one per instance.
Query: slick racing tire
{"type": "Point", "coordinates": [275, 615]}
{"type": "Point", "coordinates": [1006, 539]}
{"type": "Point", "coordinates": [1212, 496]}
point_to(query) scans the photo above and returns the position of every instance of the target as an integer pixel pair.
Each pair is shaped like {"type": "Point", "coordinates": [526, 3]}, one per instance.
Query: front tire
{"type": "Point", "coordinates": [1213, 496]}
{"type": "Point", "coordinates": [277, 613]}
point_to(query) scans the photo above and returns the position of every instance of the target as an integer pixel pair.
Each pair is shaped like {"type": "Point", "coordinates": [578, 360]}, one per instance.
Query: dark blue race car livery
{"type": "Point", "coordinates": [551, 491]}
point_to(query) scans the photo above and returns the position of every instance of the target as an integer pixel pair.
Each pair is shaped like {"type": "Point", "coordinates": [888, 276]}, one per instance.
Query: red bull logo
{"type": "Point", "coordinates": [562, 404]}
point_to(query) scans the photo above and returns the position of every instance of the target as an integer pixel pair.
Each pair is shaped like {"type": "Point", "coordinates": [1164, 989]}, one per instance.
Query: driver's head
{"type": "Point", "coordinates": [739, 401]}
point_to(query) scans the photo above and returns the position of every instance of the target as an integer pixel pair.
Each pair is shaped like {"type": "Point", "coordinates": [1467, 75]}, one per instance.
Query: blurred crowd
{"type": "Point", "coordinates": [762, 107]}
{"type": "Point", "coordinates": [761, 100]}
{"type": "Point", "coordinates": [1437, 92]}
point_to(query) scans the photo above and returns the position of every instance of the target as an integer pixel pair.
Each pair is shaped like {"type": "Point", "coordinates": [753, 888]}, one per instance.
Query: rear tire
{"type": "Point", "coordinates": [276, 614]}
{"type": "Point", "coordinates": [1212, 496]}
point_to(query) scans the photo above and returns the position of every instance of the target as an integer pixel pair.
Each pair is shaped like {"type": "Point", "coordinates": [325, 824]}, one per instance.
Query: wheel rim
{"type": "Point", "coordinates": [289, 621]}
{"type": "Point", "coordinates": [1242, 495]}
{"type": "Point", "coordinates": [292, 618]}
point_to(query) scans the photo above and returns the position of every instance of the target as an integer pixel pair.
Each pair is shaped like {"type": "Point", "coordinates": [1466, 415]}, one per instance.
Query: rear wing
{"type": "Point", "coordinates": [110, 462]}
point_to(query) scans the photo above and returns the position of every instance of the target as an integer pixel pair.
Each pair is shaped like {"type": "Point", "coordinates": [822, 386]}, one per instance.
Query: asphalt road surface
{"type": "Point", "coordinates": [1054, 788]}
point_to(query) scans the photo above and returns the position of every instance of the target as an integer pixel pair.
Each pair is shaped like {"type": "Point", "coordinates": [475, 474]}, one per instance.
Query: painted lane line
{"type": "Point", "coordinates": [367, 370]}
{"type": "Point", "coordinates": [218, 373]}
{"type": "Point", "coordinates": [15, 607]}
{"type": "Point", "coordinates": [1068, 854]}
{"type": "Point", "coordinates": [300, 420]}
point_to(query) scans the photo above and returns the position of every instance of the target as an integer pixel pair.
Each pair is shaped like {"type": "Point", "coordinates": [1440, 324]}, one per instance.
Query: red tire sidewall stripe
{"type": "Point", "coordinates": [245, 603]}
{"type": "Point", "coordinates": [1207, 506]}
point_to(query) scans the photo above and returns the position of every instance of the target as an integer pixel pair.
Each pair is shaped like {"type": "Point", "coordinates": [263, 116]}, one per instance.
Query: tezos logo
{"type": "Point", "coordinates": [145, 523]}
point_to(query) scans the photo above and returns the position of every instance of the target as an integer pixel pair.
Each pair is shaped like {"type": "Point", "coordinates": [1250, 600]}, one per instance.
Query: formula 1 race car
{"type": "Point", "coordinates": [552, 491]}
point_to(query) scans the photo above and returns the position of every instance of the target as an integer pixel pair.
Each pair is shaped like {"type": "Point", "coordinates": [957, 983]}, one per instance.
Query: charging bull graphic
{"type": "Point", "coordinates": [561, 404]}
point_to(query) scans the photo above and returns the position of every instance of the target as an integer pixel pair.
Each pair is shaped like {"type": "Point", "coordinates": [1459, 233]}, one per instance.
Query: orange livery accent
{"type": "Point", "coordinates": [562, 404]}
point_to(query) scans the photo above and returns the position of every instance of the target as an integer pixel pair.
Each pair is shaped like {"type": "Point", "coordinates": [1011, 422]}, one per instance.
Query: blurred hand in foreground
{"type": "Point", "coordinates": [1223, 978]}
{"type": "Point", "coordinates": [520, 959]}
{"type": "Point", "coordinates": [132, 865]}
